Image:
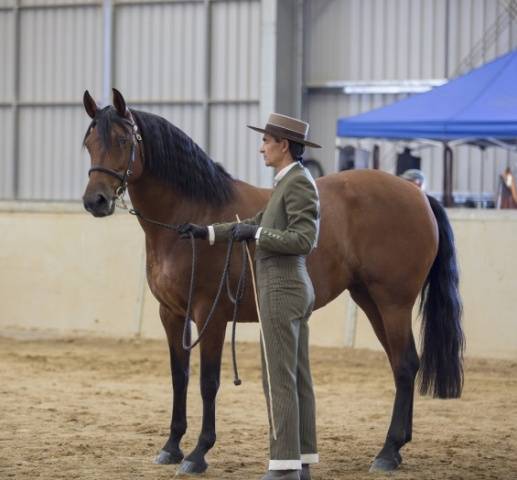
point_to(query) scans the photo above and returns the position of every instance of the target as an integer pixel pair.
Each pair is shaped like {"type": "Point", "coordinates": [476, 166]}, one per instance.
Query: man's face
{"type": "Point", "coordinates": [273, 151]}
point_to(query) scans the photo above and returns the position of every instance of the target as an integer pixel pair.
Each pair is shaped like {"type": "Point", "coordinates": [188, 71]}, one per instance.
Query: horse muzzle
{"type": "Point", "coordinates": [98, 204]}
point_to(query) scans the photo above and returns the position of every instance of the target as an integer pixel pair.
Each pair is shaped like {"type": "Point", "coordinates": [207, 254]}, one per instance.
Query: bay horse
{"type": "Point", "coordinates": [381, 238]}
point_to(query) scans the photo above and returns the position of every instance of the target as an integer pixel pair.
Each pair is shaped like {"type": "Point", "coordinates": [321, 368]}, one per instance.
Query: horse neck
{"type": "Point", "coordinates": [158, 201]}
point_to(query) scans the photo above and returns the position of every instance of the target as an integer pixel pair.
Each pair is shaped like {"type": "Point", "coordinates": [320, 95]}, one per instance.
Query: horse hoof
{"type": "Point", "coordinates": [385, 465]}
{"type": "Point", "coordinates": [168, 458]}
{"type": "Point", "coordinates": [188, 467]}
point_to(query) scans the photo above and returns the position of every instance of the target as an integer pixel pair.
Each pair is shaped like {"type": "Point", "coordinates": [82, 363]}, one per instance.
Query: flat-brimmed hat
{"type": "Point", "coordinates": [282, 126]}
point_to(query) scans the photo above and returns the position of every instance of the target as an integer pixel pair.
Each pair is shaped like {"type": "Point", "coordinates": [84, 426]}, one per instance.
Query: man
{"type": "Point", "coordinates": [285, 232]}
{"type": "Point", "coordinates": [414, 175]}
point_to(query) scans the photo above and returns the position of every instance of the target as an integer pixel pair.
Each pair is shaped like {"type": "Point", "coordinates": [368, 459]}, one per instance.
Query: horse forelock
{"type": "Point", "coordinates": [103, 123]}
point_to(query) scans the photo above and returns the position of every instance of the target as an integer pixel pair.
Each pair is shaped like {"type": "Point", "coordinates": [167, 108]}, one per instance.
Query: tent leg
{"type": "Point", "coordinates": [375, 157]}
{"type": "Point", "coordinates": [448, 198]}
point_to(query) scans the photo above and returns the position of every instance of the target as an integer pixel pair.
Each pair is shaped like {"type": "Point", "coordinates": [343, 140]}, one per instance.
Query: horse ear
{"type": "Point", "coordinates": [120, 104]}
{"type": "Point", "coordinates": [89, 104]}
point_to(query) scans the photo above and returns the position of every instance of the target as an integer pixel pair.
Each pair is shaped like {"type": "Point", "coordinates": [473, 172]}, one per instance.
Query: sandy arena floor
{"type": "Point", "coordinates": [86, 408]}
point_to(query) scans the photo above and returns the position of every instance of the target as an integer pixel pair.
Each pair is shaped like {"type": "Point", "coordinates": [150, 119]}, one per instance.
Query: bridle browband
{"type": "Point", "coordinates": [136, 138]}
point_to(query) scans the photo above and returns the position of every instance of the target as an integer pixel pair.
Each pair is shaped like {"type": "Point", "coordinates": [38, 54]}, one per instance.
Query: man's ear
{"type": "Point", "coordinates": [285, 145]}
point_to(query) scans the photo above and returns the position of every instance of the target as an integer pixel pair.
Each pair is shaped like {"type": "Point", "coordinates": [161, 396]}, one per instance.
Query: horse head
{"type": "Point", "coordinates": [115, 147]}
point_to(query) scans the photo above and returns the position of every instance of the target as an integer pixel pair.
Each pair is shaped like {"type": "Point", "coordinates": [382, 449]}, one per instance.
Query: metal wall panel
{"type": "Point", "coordinates": [143, 2]}
{"type": "Point", "coordinates": [6, 153]}
{"type": "Point", "coordinates": [241, 158]}
{"type": "Point", "coordinates": [6, 98]}
{"type": "Point", "coordinates": [235, 51]}
{"type": "Point", "coordinates": [373, 39]}
{"type": "Point", "coordinates": [235, 77]}
{"type": "Point", "coordinates": [6, 55]}
{"type": "Point", "coordinates": [60, 53]}
{"type": "Point", "coordinates": [469, 19]}
{"type": "Point", "coordinates": [59, 58]}
{"type": "Point", "coordinates": [187, 118]}
{"type": "Point", "coordinates": [52, 164]}
{"type": "Point", "coordinates": [160, 51]}
{"type": "Point", "coordinates": [50, 3]}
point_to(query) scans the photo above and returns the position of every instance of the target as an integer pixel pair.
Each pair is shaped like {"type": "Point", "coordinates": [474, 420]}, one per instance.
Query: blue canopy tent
{"type": "Point", "coordinates": [479, 107]}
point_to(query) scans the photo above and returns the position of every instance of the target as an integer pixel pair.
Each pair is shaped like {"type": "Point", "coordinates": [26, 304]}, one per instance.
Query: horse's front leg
{"type": "Point", "coordinates": [179, 359]}
{"type": "Point", "coordinates": [211, 350]}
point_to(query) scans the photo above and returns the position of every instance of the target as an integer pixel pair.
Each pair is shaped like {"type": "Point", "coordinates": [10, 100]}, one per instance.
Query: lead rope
{"type": "Point", "coordinates": [224, 279]}
{"type": "Point", "coordinates": [241, 287]}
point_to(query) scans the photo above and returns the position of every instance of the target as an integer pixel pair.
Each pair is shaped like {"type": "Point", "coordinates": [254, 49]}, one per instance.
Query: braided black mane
{"type": "Point", "coordinates": [172, 156]}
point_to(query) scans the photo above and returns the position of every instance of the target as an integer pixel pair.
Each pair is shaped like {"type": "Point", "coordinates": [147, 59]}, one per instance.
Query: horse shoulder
{"type": "Point", "coordinates": [168, 274]}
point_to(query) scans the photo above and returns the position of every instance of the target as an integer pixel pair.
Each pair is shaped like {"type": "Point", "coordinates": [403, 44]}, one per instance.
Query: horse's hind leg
{"type": "Point", "coordinates": [361, 296]}
{"type": "Point", "coordinates": [179, 359]}
{"type": "Point", "coordinates": [211, 350]}
{"type": "Point", "coordinates": [404, 363]}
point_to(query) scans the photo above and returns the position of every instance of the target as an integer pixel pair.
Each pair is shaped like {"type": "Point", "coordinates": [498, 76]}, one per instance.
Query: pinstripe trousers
{"type": "Point", "coordinates": [286, 299]}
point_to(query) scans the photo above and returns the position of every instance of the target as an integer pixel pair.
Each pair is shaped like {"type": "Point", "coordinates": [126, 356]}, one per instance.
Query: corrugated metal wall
{"type": "Point", "coordinates": [191, 61]}
{"type": "Point", "coordinates": [354, 40]}
{"type": "Point", "coordinates": [7, 19]}
{"type": "Point", "coordinates": [59, 51]}
{"type": "Point", "coordinates": [196, 62]}
{"type": "Point", "coordinates": [235, 81]}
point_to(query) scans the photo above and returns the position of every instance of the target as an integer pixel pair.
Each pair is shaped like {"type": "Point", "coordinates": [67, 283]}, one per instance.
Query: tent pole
{"type": "Point", "coordinates": [448, 198]}
{"type": "Point", "coordinates": [375, 157]}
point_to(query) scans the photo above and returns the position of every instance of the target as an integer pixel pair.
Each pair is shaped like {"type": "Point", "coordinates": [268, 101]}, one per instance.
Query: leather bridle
{"type": "Point", "coordinates": [136, 138]}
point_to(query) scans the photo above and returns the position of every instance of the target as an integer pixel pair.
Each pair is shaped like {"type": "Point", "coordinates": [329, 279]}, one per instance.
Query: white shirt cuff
{"type": "Point", "coordinates": [310, 458]}
{"type": "Point", "coordinates": [285, 465]}
{"type": "Point", "coordinates": [257, 235]}
{"type": "Point", "coordinates": [211, 234]}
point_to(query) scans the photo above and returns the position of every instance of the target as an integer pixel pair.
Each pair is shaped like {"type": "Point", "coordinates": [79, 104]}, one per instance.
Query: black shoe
{"type": "Point", "coordinates": [305, 473]}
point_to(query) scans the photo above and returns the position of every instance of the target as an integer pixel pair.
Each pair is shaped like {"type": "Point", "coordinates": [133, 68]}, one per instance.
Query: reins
{"type": "Point", "coordinates": [236, 300]}
{"type": "Point", "coordinates": [136, 138]}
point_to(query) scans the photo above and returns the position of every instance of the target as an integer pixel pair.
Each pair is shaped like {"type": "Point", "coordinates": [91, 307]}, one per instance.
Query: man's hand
{"type": "Point", "coordinates": [198, 231]}
{"type": "Point", "coordinates": [244, 231]}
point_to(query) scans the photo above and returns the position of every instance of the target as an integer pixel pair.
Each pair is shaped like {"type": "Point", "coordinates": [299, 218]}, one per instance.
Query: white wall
{"type": "Point", "coordinates": [62, 269]}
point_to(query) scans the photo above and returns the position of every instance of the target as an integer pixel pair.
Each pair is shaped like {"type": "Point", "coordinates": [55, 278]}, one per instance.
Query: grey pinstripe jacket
{"type": "Point", "coordinates": [290, 221]}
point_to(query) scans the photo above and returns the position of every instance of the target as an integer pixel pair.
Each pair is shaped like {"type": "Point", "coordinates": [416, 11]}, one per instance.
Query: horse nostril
{"type": "Point", "coordinates": [96, 203]}
{"type": "Point", "coordinates": [101, 200]}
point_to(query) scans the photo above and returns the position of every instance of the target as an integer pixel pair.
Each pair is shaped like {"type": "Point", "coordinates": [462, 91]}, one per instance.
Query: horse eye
{"type": "Point", "coordinates": [122, 141]}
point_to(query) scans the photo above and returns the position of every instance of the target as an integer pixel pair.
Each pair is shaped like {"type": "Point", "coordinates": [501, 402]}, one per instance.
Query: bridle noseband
{"type": "Point", "coordinates": [136, 138]}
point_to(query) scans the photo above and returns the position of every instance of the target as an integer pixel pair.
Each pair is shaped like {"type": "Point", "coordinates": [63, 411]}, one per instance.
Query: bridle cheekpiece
{"type": "Point", "coordinates": [136, 138]}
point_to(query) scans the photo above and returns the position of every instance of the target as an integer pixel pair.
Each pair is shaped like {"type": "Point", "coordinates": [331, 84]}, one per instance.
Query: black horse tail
{"type": "Point", "coordinates": [441, 362]}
